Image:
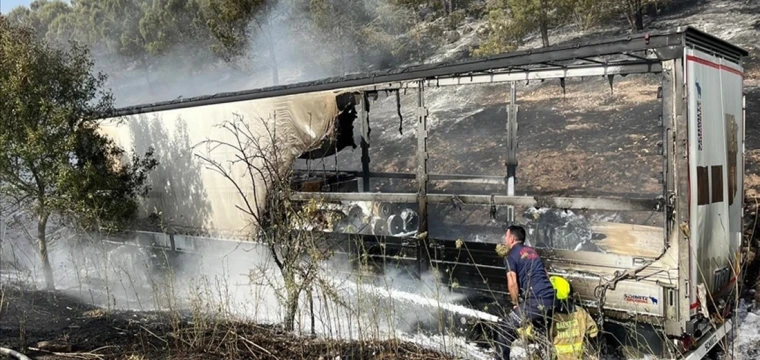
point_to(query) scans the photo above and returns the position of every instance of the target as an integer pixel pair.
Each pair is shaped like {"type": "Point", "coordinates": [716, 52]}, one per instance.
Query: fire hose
{"type": "Point", "coordinates": [14, 354]}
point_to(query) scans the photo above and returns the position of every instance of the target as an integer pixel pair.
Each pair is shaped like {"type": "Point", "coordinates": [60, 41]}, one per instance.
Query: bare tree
{"type": "Point", "coordinates": [259, 171]}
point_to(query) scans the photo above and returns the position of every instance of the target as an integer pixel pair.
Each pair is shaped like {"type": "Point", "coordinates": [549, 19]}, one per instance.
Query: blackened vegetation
{"type": "Point", "coordinates": [30, 317]}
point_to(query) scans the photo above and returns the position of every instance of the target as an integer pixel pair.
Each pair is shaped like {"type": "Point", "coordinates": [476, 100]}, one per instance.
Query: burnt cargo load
{"type": "Point", "coordinates": [658, 262]}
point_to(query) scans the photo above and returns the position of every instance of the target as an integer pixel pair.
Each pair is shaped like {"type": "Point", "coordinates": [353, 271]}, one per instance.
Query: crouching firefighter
{"type": "Point", "coordinates": [571, 324]}
{"type": "Point", "coordinates": [526, 279]}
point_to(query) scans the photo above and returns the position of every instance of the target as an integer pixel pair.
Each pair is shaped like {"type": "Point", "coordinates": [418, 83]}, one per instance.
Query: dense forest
{"type": "Point", "coordinates": [323, 37]}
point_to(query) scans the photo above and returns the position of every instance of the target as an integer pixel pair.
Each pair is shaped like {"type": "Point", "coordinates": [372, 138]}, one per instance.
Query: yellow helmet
{"type": "Point", "coordinates": [561, 285]}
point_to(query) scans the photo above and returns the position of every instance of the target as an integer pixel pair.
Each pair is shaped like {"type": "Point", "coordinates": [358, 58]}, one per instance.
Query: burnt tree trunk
{"type": "Point", "coordinates": [635, 14]}
{"type": "Point", "coordinates": [291, 303]}
{"type": "Point", "coordinates": [544, 34]}
{"type": "Point", "coordinates": [639, 16]}
{"type": "Point", "coordinates": [543, 19]}
{"type": "Point", "coordinates": [44, 258]}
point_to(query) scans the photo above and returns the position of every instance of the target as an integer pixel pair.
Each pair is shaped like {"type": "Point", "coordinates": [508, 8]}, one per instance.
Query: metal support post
{"type": "Point", "coordinates": [364, 118]}
{"type": "Point", "coordinates": [422, 177]}
{"type": "Point", "coordinates": [511, 162]}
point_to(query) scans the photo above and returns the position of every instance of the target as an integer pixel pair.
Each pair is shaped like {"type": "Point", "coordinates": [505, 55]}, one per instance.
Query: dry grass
{"type": "Point", "coordinates": [580, 98]}
{"type": "Point", "coordinates": [555, 171]}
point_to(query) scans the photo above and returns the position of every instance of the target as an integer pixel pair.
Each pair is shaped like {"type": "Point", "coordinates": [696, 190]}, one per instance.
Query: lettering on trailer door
{"type": "Point", "coordinates": [700, 133]}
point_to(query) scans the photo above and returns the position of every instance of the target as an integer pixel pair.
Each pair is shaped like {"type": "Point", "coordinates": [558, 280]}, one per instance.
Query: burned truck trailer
{"type": "Point", "coordinates": [663, 284]}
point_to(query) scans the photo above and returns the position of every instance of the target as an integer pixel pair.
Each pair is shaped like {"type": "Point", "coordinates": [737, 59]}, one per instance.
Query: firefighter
{"type": "Point", "coordinates": [526, 279]}
{"type": "Point", "coordinates": [571, 324]}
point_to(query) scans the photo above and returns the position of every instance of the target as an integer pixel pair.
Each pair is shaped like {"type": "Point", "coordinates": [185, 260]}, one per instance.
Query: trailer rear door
{"type": "Point", "coordinates": [714, 90]}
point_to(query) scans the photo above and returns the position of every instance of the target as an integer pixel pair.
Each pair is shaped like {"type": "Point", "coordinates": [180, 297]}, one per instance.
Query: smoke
{"type": "Point", "coordinates": [236, 280]}
{"type": "Point", "coordinates": [302, 51]}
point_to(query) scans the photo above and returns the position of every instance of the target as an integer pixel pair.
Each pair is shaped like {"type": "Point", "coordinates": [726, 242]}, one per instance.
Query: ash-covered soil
{"type": "Point", "coordinates": [587, 140]}
{"type": "Point", "coordinates": [50, 325]}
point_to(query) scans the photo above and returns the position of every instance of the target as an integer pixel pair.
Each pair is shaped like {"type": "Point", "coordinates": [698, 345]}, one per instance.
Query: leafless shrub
{"type": "Point", "coordinates": [259, 169]}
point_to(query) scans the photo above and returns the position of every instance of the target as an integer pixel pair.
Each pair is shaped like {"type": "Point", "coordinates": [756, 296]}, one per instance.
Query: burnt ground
{"type": "Point", "coordinates": [564, 139]}
{"type": "Point", "coordinates": [71, 329]}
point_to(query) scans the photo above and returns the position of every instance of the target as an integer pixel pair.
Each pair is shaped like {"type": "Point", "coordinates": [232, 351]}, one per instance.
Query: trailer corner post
{"type": "Point", "coordinates": [422, 177]}
{"type": "Point", "coordinates": [670, 99]}
{"type": "Point", "coordinates": [680, 166]}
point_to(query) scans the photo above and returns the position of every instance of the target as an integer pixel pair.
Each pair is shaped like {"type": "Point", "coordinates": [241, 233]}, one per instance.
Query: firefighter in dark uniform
{"type": "Point", "coordinates": [526, 280]}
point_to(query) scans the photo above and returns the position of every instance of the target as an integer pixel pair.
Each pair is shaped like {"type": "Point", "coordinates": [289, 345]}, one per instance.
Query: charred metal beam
{"type": "Point", "coordinates": [637, 57]}
{"type": "Point", "coordinates": [549, 63]}
{"type": "Point", "coordinates": [457, 178]}
{"type": "Point", "coordinates": [356, 82]}
{"type": "Point", "coordinates": [511, 162]}
{"type": "Point", "coordinates": [609, 204]}
{"type": "Point", "coordinates": [595, 61]}
{"type": "Point", "coordinates": [422, 170]}
{"type": "Point", "coordinates": [648, 66]}
{"type": "Point", "coordinates": [364, 118]}
{"type": "Point", "coordinates": [511, 178]}
{"type": "Point", "coordinates": [474, 179]}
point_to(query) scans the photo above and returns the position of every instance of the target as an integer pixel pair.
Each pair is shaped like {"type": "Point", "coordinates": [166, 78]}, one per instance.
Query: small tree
{"type": "Point", "coordinates": [509, 21]}
{"type": "Point", "coordinates": [53, 159]}
{"type": "Point", "coordinates": [498, 37]}
{"type": "Point", "coordinates": [258, 167]}
{"type": "Point", "coordinates": [635, 10]}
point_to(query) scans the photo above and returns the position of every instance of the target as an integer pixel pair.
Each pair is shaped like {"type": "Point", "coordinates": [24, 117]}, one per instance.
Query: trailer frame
{"type": "Point", "coordinates": [659, 53]}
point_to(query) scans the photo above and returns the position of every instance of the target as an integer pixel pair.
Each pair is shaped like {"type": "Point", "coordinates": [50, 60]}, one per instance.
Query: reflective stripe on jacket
{"type": "Point", "coordinates": [569, 332]}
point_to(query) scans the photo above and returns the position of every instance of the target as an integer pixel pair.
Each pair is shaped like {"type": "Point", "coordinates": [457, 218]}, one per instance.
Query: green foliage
{"type": "Point", "coordinates": [170, 22]}
{"type": "Point", "coordinates": [588, 13]}
{"type": "Point", "coordinates": [499, 35]}
{"type": "Point", "coordinates": [128, 28]}
{"type": "Point", "coordinates": [360, 32]}
{"type": "Point", "coordinates": [455, 19]}
{"type": "Point", "coordinates": [53, 158]}
{"type": "Point", "coordinates": [442, 7]}
{"type": "Point", "coordinates": [228, 22]}
{"type": "Point", "coordinates": [342, 23]}
{"type": "Point", "coordinates": [509, 21]}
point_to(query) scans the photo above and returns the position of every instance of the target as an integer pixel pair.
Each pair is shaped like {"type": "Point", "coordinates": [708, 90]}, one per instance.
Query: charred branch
{"type": "Point", "coordinates": [610, 204]}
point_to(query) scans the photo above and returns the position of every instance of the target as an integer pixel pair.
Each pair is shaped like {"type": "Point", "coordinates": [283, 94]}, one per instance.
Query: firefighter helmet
{"type": "Point", "coordinates": [562, 287]}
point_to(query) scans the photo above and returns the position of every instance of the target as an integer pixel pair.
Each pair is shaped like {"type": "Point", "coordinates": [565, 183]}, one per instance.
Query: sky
{"type": "Point", "coordinates": [8, 5]}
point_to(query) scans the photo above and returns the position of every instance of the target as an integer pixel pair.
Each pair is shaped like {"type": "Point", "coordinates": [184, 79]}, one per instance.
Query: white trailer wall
{"type": "Point", "coordinates": [195, 199]}
{"type": "Point", "coordinates": [714, 88]}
